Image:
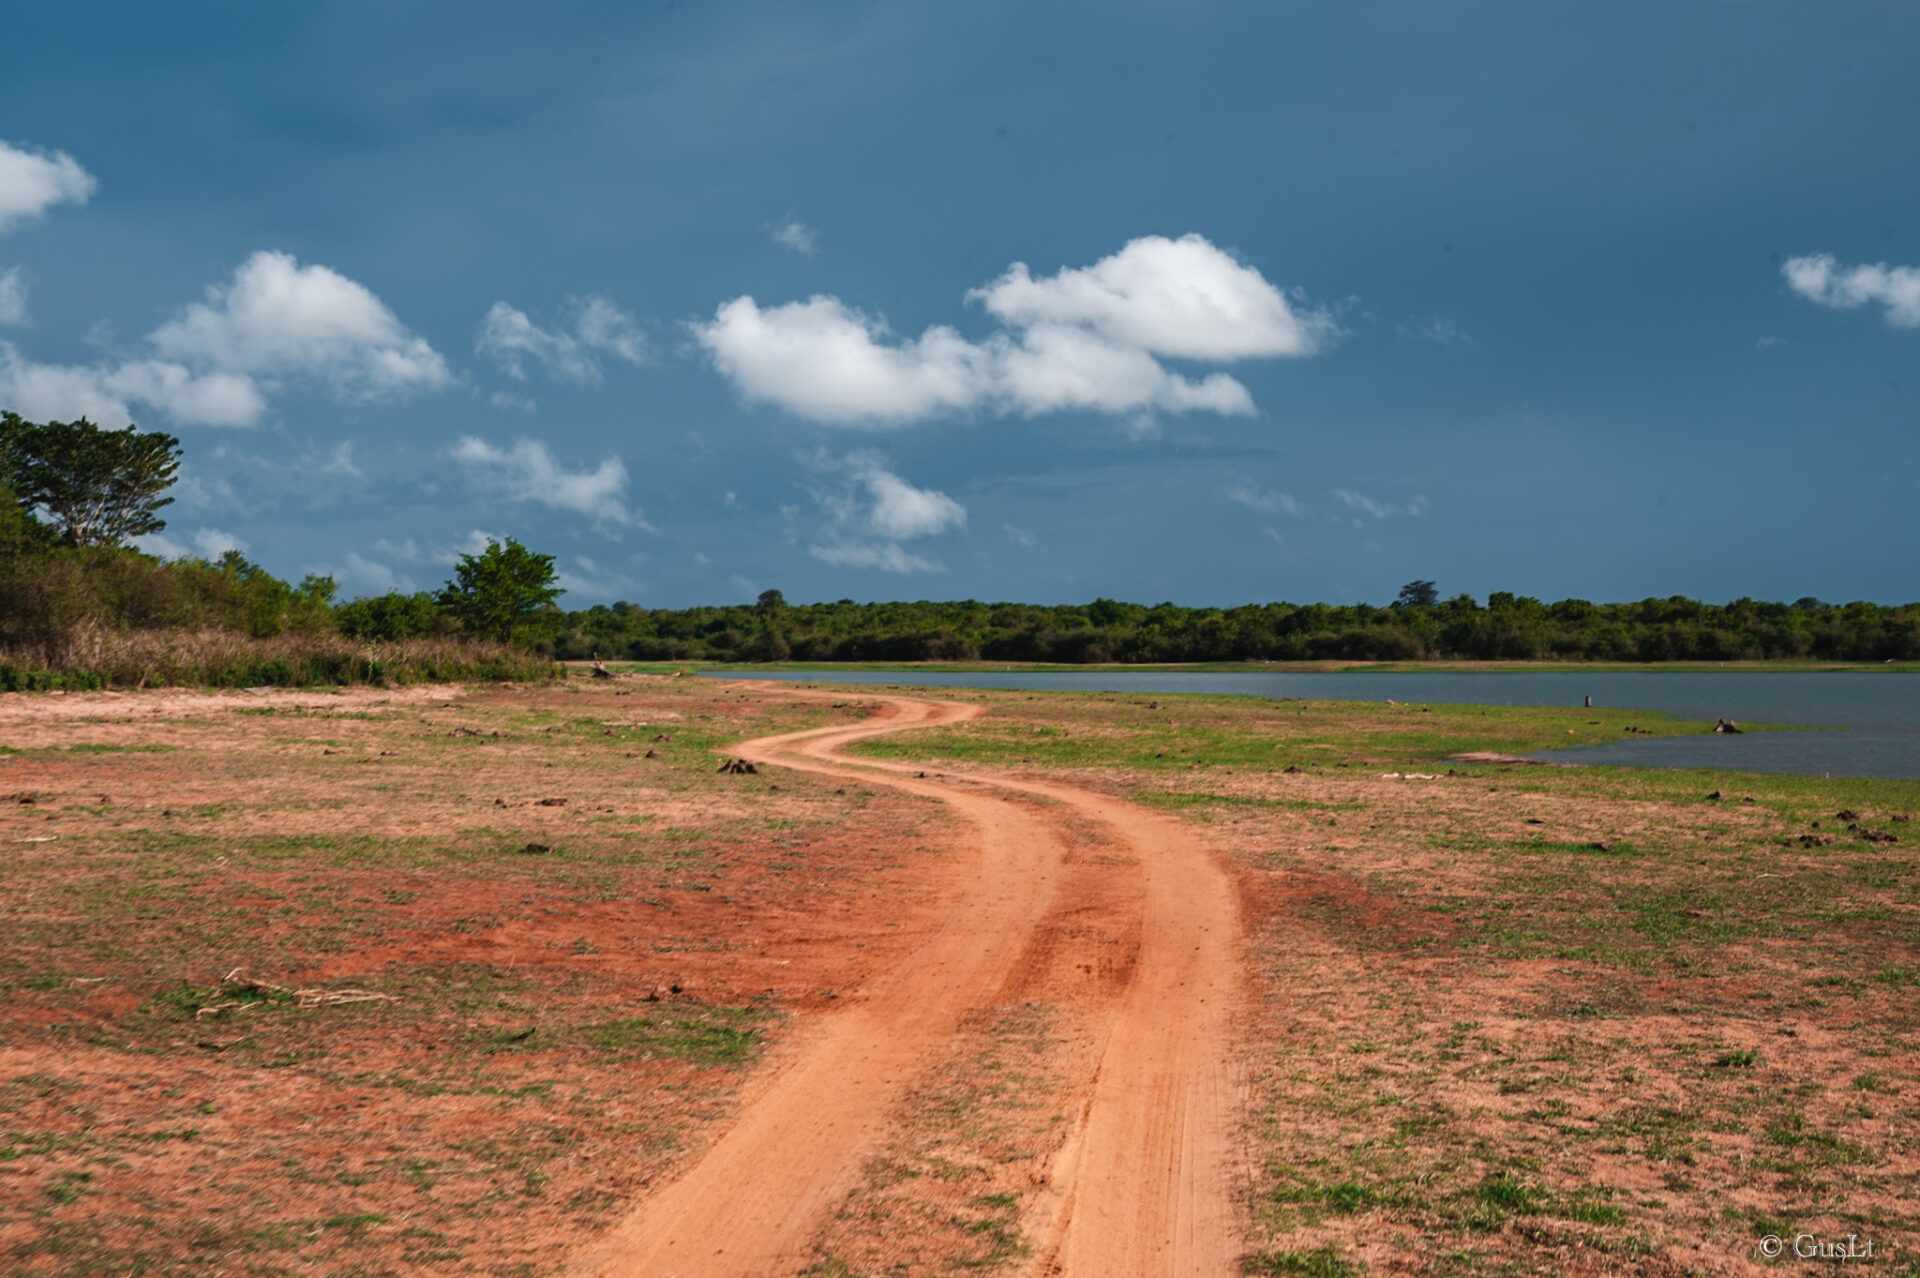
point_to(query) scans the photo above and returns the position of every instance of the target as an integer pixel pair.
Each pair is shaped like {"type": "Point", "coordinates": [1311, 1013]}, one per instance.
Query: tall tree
{"type": "Point", "coordinates": [1417, 594]}
{"type": "Point", "coordinates": [99, 487]}
{"type": "Point", "coordinates": [501, 591]}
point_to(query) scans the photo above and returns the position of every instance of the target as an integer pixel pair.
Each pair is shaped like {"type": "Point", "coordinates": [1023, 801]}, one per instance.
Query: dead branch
{"type": "Point", "coordinates": [237, 979]}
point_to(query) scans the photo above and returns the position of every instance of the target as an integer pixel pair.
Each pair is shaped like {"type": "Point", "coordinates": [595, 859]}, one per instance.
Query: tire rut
{"type": "Point", "coordinates": [1144, 939]}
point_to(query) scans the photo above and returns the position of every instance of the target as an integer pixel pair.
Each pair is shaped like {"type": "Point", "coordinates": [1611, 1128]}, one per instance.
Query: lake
{"type": "Point", "coordinates": [1873, 720]}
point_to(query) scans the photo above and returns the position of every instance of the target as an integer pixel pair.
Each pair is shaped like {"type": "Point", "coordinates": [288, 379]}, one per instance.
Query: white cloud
{"type": "Point", "coordinates": [1252, 498]}
{"type": "Point", "coordinates": [360, 577]}
{"type": "Point", "coordinates": [33, 181]}
{"type": "Point", "coordinates": [1020, 536]}
{"type": "Point", "coordinates": [1365, 505]}
{"type": "Point", "coordinates": [510, 338]}
{"type": "Point", "coordinates": [900, 510]}
{"type": "Point", "coordinates": [886, 557]}
{"type": "Point", "coordinates": [1181, 298]}
{"type": "Point", "coordinates": [1087, 339]}
{"type": "Point", "coordinates": [474, 543]}
{"type": "Point", "coordinates": [206, 399]}
{"type": "Point", "coordinates": [337, 460]}
{"type": "Point", "coordinates": [204, 543]}
{"type": "Point", "coordinates": [529, 472]}
{"type": "Point", "coordinates": [279, 318]}
{"type": "Point", "coordinates": [407, 551]}
{"type": "Point", "coordinates": [508, 400]}
{"type": "Point", "coordinates": [824, 360]}
{"type": "Point", "coordinates": [1054, 367]}
{"type": "Point", "coordinates": [161, 546]}
{"type": "Point", "coordinates": [872, 510]}
{"type": "Point", "coordinates": [105, 393]}
{"type": "Point", "coordinates": [1819, 278]}
{"type": "Point", "coordinates": [211, 543]}
{"type": "Point", "coordinates": [797, 236]}
{"type": "Point", "coordinates": [219, 359]}
{"type": "Point", "coordinates": [13, 297]}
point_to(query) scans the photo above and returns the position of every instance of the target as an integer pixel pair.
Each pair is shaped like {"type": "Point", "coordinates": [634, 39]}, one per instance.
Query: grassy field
{"type": "Point", "coordinates": [440, 980]}
{"type": "Point", "coordinates": [1533, 1020]}
{"type": "Point", "coordinates": [363, 983]}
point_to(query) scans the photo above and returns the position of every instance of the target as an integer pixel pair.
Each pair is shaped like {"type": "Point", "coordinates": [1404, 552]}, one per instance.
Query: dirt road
{"type": "Point", "coordinates": [1144, 942]}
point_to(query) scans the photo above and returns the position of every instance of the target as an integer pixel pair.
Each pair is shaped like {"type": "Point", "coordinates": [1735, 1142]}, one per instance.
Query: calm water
{"type": "Point", "coordinates": [1874, 719]}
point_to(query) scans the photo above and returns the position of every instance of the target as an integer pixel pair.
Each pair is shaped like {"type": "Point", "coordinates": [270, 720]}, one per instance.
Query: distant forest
{"type": "Point", "coordinates": [1415, 627]}
{"type": "Point", "coordinates": [80, 607]}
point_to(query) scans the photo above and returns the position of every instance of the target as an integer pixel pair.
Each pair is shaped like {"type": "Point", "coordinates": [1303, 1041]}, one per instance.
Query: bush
{"type": "Point", "coordinates": [91, 656]}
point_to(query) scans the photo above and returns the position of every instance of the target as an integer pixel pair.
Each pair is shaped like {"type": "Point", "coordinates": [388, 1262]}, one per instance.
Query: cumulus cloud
{"type": "Point", "coordinates": [33, 181]}
{"type": "Point", "coordinates": [797, 236]}
{"type": "Point", "coordinates": [474, 543]}
{"type": "Point", "coordinates": [211, 543]}
{"type": "Point", "coordinates": [1054, 366]}
{"type": "Point", "coordinates": [358, 577]}
{"type": "Point", "coordinates": [1819, 278]}
{"type": "Point", "coordinates": [363, 576]}
{"type": "Point", "coordinates": [529, 472]}
{"type": "Point", "coordinates": [277, 318]}
{"type": "Point", "coordinates": [218, 360]}
{"type": "Point", "coordinates": [204, 543]}
{"type": "Point", "coordinates": [13, 297]}
{"type": "Point", "coordinates": [107, 393]}
{"type": "Point", "coordinates": [900, 510]}
{"type": "Point", "coordinates": [871, 510]}
{"type": "Point", "coordinates": [510, 338]}
{"type": "Point", "coordinates": [824, 360]}
{"type": "Point", "coordinates": [1089, 339]}
{"type": "Point", "coordinates": [1181, 298]}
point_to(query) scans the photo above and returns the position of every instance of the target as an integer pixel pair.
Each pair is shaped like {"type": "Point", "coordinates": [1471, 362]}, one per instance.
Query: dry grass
{"type": "Point", "coordinates": [1547, 1021]}
{"type": "Point", "coordinates": [555, 1028]}
{"type": "Point", "coordinates": [88, 655]}
{"type": "Point", "coordinates": [1540, 1020]}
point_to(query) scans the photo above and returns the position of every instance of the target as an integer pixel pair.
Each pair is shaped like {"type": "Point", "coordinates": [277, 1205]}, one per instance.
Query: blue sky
{"type": "Point", "coordinates": [1209, 303]}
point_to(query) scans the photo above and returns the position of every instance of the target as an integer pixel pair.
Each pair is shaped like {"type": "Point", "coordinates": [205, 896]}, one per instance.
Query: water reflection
{"type": "Point", "coordinates": [1874, 718]}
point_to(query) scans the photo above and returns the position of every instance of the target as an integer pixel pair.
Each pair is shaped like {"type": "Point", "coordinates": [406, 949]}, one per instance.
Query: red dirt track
{"type": "Point", "coordinates": [1146, 952]}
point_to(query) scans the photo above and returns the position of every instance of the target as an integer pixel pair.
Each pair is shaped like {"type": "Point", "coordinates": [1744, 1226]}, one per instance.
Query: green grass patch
{"type": "Point", "coordinates": [715, 1037]}
{"type": "Point", "coordinates": [1320, 1262]}
{"type": "Point", "coordinates": [1170, 731]}
{"type": "Point", "coordinates": [1179, 800]}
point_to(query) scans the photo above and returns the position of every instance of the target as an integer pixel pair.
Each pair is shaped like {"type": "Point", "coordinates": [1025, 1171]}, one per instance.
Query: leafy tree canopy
{"type": "Point", "coordinates": [1417, 594]}
{"type": "Point", "coordinates": [502, 592]}
{"type": "Point", "coordinates": [99, 487]}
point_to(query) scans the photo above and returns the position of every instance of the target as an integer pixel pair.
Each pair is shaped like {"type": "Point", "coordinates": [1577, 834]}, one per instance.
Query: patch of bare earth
{"type": "Point", "coordinates": [527, 944]}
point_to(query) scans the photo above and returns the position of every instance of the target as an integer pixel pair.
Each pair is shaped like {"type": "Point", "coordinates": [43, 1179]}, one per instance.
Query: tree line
{"type": "Point", "coordinates": [80, 606]}
{"type": "Point", "coordinates": [1506, 627]}
{"type": "Point", "coordinates": [72, 495]}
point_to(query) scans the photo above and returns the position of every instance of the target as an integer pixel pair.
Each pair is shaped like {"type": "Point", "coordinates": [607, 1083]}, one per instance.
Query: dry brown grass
{"type": "Point", "coordinates": [564, 1025]}
{"type": "Point", "coordinates": [90, 655]}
